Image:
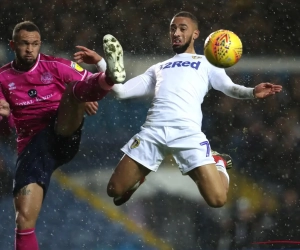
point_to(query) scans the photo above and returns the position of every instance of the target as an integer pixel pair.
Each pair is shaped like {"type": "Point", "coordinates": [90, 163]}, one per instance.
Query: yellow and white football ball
{"type": "Point", "coordinates": [223, 48]}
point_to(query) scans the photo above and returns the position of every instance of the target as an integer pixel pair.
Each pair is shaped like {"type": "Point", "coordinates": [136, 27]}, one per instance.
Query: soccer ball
{"type": "Point", "coordinates": [223, 48]}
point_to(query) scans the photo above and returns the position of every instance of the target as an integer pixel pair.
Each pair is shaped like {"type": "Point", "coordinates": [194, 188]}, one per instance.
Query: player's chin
{"type": "Point", "coordinates": [177, 49]}
{"type": "Point", "coordinates": [29, 61]}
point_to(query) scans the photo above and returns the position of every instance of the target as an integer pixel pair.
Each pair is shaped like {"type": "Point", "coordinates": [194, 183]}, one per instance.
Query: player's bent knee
{"type": "Point", "coordinates": [217, 201]}
{"type": "Point", "coordinates": [24, 220]}
{"type": "Point", "coordinates": [69, 92]}
{"type": "Point", "coordinates": [114, 190]}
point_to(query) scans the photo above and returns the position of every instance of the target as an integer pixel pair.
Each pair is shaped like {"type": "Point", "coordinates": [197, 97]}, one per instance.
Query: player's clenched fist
{"type": "Point", "coordinates": [4, 108]}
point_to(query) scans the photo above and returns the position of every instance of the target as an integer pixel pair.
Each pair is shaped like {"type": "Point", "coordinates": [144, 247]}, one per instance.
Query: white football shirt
{"type": "Point", "coordinates": [178, 87]}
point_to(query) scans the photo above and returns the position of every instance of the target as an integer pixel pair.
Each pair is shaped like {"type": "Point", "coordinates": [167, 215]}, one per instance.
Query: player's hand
{"type": "Point", "coordinates": [266, 89]}
{"type": "Point", "coordinates": [91, 108]}
{"type": "Point", "coordinates": [86, 55]}
{"type": "Point", "coordinates": [4, 108]}
{"type": "Point", "coordinates": [6, 126]}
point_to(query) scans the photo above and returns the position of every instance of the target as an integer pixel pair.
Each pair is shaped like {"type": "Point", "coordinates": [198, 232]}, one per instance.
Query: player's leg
{"type": "Point", "coordinates": [125, 180]}
{"type": "Point", "coordinates": [70, 113]}
{"type": "Point", "coordinates": [33, 170]}
{"type": "Point", "coordinates": [225, 158]}
{"type": "Point", "coordinates": [94, 88]}
{"type": "Point", "coordinates": [193, 155]}
{"type": "Point", "coordinates": [143, 154]}
{"type": "Point", "coordinates": [212, 184]}
{"type": "Point", "coordinates": [35, 165]}
{"type": "Point", "coordinates": [28, 203]}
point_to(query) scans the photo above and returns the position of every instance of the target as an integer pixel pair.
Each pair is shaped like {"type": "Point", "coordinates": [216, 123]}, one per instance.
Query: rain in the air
{"type": "Point", "coordinates": [149, 125]}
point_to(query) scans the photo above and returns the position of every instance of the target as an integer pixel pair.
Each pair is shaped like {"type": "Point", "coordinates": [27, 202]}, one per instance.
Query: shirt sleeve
{"type": "Point", "coordinates": [139, 86]}
{"type": "Point", "coordinates": [222, 82]}
{"type": "Point", "coordinates": [70, 71]}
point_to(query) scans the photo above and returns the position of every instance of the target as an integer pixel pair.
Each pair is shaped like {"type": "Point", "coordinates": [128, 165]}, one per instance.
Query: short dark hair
{"type": "Point", "coordinates": [189, 15]}
{"type": "Point", "coordinates": [26, 25]}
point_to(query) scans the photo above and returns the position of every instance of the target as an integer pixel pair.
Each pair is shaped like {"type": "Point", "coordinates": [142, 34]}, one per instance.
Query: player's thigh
{"type": "Point", "coordinates": [64, 148]}
{"type": "Point", "coordinates": [28, 202]}
{"type": "Point", "coordinates": [70, 113]}
{"type": "Point", "coordinates": [42, 155]}
{"type": "Point", "coordinates": [147, 147]}
{"type": "Point", "coordinates": [191, 155]}
{"type": "Point", "coordinates": [127, 173]}
{"type": "Point", "coordinates": [209, 183]}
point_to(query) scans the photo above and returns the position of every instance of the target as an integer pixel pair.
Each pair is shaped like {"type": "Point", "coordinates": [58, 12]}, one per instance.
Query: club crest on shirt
{"type": "Point", "coordinates": [32, 92]}
{"type": "Point", "coordinates": [196, 57]}
{"type": "Point", "coordinates": [11, 86]}
{"type": "Point", "coordinates": [76, 66]}
{"type": "Point", "coordinates": [135, 143]}
{"type": "Point", "coordinates": [46, 77]}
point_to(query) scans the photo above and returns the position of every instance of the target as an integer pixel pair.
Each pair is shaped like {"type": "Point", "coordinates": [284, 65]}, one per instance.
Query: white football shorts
{"type": "Point", "coordinates": [189, 147]}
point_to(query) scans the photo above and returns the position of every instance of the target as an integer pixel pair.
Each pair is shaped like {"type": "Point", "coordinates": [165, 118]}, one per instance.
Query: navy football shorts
{"type": "Point", "coordinates": [43, 154]}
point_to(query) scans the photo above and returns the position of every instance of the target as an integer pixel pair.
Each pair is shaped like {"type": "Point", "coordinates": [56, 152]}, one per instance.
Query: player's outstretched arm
{"type": "Point", "coordinates": [4, 108]}
{"type": "Point", "coordinates": [86, 55]}
{"type": "Point", "coordinates": [266, 89]}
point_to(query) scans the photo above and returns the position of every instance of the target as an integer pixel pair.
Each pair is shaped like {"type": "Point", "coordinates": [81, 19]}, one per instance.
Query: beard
{"type": "Point", "coordinates": [25, 63]}
{"type": "Point", "coordinates": [182, 48]}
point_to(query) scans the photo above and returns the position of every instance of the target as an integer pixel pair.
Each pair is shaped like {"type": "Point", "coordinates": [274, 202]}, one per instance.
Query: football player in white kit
{"type": "Point", "coordinates": [174, 120]}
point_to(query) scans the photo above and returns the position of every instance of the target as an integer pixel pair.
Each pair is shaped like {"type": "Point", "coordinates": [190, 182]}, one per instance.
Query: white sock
{"type": "Point", "coordinates": [221, 167]}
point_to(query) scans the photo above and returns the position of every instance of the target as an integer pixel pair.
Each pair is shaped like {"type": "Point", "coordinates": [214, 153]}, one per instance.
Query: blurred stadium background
{"type": "Point", "coordinates": [167, 212]}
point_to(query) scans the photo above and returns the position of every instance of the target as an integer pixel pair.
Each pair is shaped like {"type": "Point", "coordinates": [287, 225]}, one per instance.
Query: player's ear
{"type": "Point", "coordinates": [12, 44]}
{"type": "Point", "coordinates": [196, 34]}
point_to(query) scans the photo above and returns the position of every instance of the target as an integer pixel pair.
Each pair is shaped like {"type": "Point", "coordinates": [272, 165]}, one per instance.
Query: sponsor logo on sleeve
{"type": "Point", "coordinates": [76, 66]}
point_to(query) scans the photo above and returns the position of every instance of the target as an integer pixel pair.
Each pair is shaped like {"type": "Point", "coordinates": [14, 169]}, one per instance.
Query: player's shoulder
{"type": "Point", "coordinates": [208, 64]}
{"type": "Point", "coordinates": [60, 61]}
{"type": "Point", "coordinates": [201, 58]}
{"type": "Point", "coordinates": [5, 68]}
{"type": "Point", "coordinates": [54, 59]}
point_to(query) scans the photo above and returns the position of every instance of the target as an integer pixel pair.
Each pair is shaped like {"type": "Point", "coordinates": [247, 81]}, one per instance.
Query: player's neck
{"type": "Point", "coordinates": [190, 51]}
{"type": "Point", "coordinates": [187, 52]}
{"type": "Point", "coordinates": [21, 67]}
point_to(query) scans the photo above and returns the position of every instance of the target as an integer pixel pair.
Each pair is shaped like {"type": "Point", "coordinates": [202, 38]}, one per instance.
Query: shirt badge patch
{"type": "Point", "coordinates": [32, 93]}
{"type": "Point", "coordinates": [196, 57]}
{"type": "Point", "coordinates": [11, 86]}
{"type": "Point", "coordinates": [135, 143]}
{"type": "Point", "coordinates": [46, 77]}
{"type": "Point", "coordinates": [76, 66]}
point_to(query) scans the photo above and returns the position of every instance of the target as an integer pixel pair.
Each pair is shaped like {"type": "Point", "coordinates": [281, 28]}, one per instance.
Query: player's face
{"type": "Point", "coordinates": [26, 46]}
{"type": "Point", "coordinates": [183, 32]}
